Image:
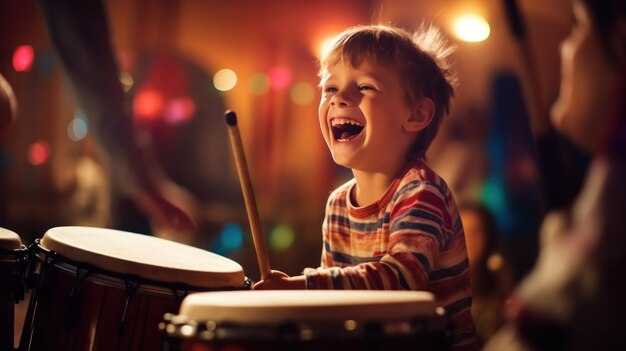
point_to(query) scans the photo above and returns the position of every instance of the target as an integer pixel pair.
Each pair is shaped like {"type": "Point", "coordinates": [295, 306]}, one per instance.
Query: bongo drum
{"type": "Point", "coordinates": [104, 289]}
{"type": "Point", "coordinates": [307, 320]}
{"type": "Point", "coordinates": [13, 258]}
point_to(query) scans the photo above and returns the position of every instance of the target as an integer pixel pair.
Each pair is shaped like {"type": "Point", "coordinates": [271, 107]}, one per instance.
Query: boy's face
{"type": "Point", "coordinates": [361, 115]}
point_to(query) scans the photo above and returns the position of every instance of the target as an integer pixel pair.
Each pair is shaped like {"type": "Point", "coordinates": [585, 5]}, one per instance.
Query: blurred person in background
{"type": "Point", "coordinates": [8, 104]}
{"type": "Point", "coordinates": [490, 274]}
{"type": "Point", "coordinates": [574, 297]}
{"type": "Point", "coordinates": [80, 34]}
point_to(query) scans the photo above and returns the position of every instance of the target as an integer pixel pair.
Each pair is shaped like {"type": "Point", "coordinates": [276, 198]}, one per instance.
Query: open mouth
{"type": "Point", "coordinates": [344, 129]}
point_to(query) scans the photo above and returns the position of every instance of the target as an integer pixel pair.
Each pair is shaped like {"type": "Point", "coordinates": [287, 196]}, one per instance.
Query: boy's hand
{"type": "Point", "coordinates": [280, 281]}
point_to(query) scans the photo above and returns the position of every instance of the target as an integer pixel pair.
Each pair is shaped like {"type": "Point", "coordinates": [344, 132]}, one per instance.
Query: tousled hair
{"type": "Point", "coordinates": [421, 60]}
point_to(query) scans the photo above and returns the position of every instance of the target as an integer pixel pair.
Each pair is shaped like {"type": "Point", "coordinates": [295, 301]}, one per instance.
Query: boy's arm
{"type": "Point", "coordinates": [403, 268]}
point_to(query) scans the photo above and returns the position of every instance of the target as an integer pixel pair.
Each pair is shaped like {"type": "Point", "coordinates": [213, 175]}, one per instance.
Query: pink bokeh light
{"type": "Point", "coordinates": [23, 58]}
{"type": "Point", "coordinates": [280, 77]}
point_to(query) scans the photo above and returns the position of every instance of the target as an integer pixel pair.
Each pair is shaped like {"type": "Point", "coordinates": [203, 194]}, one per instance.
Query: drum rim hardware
{"type": "Point", "coordinates": [181, 327]}
{"type": "Point", "coordinates": [18, 279]}
{"type": "Point", "coordinates": [121, 280]}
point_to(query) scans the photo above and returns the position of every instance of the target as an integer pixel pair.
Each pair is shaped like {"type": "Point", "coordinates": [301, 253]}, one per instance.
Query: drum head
{"type": "Point", "coordinates": [145, 256]}
{"type": "Point", "coordinates": [9, 240]}
{"type": "Point", "coordinates": [278, 307]}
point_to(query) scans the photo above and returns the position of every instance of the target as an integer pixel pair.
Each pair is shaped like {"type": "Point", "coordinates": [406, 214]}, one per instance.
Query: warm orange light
{"type": "Point", "coordinates": [471, 27]}
{"type": "Point", "coordinates": [127, 80]}
{"type": "Point", "coordinates": [302, 93]}
{"type": "Point", "coordinates": [326, 45]}
{"type": "Point", "coordinates": [148, 104]}
{"type": "Point", "coordinates": [225, 79]}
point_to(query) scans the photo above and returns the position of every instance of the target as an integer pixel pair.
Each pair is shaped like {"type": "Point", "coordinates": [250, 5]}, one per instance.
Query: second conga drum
{"type": "Point", "coordinates": [104, 289]}
{"type": "Point", "coordinates": [13, 257]}
{"type": "Point", "coordinates": [307, 320]}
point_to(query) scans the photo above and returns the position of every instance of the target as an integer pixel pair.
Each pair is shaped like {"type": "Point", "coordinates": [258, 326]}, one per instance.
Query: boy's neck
{"type": "Point", "coordinates": [371, 186]}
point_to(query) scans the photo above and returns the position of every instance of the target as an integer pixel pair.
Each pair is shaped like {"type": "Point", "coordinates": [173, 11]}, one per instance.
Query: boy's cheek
{"type": "Point", "coordinates": [326, 137]}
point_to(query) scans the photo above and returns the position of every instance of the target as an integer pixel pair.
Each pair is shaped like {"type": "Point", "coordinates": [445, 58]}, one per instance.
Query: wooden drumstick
{"type": "Point", "coordinates": [248, 194]}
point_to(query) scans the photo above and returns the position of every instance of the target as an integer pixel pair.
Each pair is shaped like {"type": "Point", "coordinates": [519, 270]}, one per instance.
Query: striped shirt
{"type": "Point", "coordinates": [411, 239]}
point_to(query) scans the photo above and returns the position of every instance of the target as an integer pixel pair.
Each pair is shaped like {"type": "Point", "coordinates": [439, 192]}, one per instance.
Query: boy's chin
{"type": "Point", "coordinates": [342, 161]}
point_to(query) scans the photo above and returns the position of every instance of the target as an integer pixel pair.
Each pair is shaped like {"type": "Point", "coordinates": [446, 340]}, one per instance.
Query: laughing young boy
{"type": "Point", "coordinates": [395, 225]}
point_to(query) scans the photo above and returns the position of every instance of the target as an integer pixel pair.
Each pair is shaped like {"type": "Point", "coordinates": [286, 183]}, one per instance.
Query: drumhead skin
{"type": "Point", "coordinates": [146, 256]}
{"type": "Point", "coordinates": [277, 307]}
{"type": "Point", "coordinates": [9, 240]}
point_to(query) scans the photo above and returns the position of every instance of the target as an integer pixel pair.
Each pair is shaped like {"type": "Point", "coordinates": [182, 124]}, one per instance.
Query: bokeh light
{"type": "Point", "coordinates": [231, 237]}
{"type": "Point", "coordinates": [23, 58]}
{"type": "Point", "coordinates": [77, 128]}
{"type": "Point", "coordinates": [302, 93]}
{"type": "Point", "coordinates": [45, 62]}
{"type": "Point", "coordinates": [282, 237]}
{"type": "Point", "coordinates": [180, 109]}
{"type": "Point", "coordinates": [215, 244]}
{"type": "Point", "coordinates": [38, 153]}
{"type": "Point", "coordinates": [471, 28]}
{"type": "Point", "coordinates": [259, 84]}
{"type": "Point", "coordinates": [148, 104]}
{"type": "Point", "coordinates": [494, 196]}
{"type": "Point", "coordinates": [280, 77]}
{"type": "Point", "coordinates": [127, 80]}
{"type": "Point", "coordinates": [225, 79]}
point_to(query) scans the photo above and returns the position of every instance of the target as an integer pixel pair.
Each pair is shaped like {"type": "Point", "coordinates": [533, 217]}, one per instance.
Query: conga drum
{"type": "Point", "coordinates": [307, 320]}
{"type": "Point", "coordinates": [13, 258]}
{"type": "Point", "coordinates": [104, 289]}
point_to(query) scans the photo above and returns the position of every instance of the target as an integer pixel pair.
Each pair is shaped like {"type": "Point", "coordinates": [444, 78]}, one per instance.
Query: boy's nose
{"type": "Point", "coordinates": [341, 98]}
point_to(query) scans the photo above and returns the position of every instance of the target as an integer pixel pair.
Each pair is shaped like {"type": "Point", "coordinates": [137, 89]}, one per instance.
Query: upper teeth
{"type": "Point", "coordinates": [338, 121]}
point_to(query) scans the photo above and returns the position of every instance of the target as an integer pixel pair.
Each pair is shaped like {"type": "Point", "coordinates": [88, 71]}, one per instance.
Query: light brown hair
{"type": "Point", "coordinates": [420, 60]}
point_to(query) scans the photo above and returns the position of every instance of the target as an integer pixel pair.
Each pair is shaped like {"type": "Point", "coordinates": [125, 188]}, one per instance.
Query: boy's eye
{"type": "Point", "coordinates": [366, 87]}
{"type": "Point", "coordinates": [330, 89]}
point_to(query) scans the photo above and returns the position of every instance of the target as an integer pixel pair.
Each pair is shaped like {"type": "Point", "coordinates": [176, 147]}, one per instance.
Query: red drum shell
{"type": "Point", "coordinates": [13, 258]}
{"type": "Point", "coordinates": [80, 306]}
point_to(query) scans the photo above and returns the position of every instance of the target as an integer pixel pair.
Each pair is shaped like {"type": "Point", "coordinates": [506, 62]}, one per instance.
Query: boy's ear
{"type": "Point", "coordinates": [422, 115]}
